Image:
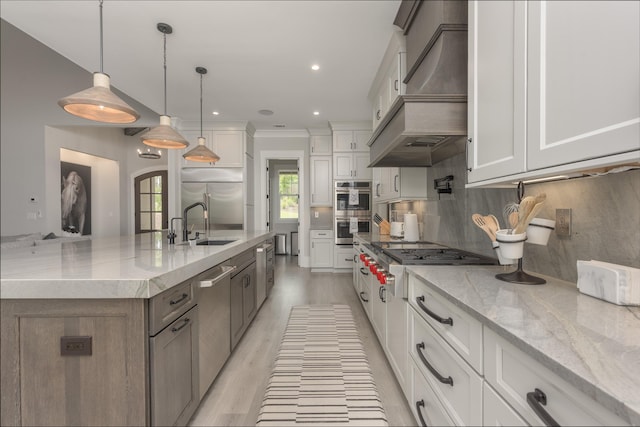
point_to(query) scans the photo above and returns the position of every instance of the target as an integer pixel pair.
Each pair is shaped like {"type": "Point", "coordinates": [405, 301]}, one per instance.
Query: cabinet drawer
{"type": "Point", "coordinates": [169, 305]}
{"type": "Point", "coordinates": [514, 374]}
{"type": "Point", "coordinates": [321, 234]}
{"type": "Point", "coordinates": [455, 382]}
{"type": "Point", "coordinates": [496, 412]}
{"type": "Point", "coordinates": [424, 399]}
{"type": "Point", "coordinates": [464, 333]}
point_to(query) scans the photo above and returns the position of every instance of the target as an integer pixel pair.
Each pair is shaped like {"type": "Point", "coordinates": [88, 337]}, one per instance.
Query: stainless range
{"type": "Point", "coordinates": [387, 260]}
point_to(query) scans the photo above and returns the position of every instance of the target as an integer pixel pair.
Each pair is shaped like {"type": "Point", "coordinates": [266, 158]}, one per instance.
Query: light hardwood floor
{"type": "Point", "coordinates": [235, 397]}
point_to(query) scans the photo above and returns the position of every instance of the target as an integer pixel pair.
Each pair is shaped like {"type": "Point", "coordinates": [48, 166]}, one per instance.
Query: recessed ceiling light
{"type": "Point", "coordinates": [215, 113]}
{"type": "Point", "coordinates": [265, 112]}
{"type": "Point", "coordinates": [316, 113]}
{"type": "Point", "coordinates": [315, 67]}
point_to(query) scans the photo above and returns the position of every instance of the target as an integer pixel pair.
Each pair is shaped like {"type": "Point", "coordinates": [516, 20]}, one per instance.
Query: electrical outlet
{"type": "Point", "coordinates": [316, 214]}
{"type": "Point", "coordinates": [563, 222]}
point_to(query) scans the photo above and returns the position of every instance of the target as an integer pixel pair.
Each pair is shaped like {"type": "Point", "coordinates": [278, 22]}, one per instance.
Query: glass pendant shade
{"type": "Point", "coordinates": [164, 136]}
{"type": "Point", "coordinates": [201, 153]}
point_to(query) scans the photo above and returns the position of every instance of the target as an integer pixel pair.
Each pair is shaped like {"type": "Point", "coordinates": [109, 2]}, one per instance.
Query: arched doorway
{"type": "Point", "coordinates": [151, 202]}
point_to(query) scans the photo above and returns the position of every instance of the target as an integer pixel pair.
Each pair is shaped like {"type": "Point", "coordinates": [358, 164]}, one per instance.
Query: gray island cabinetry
{"type": "Point", "coordinates": [107, 331]}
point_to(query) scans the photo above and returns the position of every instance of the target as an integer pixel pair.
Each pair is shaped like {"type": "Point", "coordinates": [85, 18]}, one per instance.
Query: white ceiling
{"type": "Point", "coordinates": [258, 53]}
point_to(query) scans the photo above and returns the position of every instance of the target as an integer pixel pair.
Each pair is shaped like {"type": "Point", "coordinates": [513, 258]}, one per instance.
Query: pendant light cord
{"type": "Point", "coordinates": [101, 53]}
{"type": "Point", "coordinates": [201, 106]}
{"type": "Point", "coordinates": [164, 35]}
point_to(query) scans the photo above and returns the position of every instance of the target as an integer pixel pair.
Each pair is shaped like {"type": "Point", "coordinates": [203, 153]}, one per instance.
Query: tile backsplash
{"type": "Point", "coordinates": [605, 213]}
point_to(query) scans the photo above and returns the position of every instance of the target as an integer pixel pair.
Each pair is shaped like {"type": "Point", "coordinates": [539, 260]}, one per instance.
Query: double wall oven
{"type": "Point", "coordinates": [351, 209]}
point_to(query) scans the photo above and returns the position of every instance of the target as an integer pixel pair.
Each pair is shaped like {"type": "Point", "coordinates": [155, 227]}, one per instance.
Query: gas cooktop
{"type": "Point", "coordinates": [428, 253]}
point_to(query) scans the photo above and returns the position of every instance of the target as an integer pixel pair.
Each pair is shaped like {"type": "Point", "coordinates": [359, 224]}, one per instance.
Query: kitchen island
{"type": "Point", "coordinates": [105, 331]}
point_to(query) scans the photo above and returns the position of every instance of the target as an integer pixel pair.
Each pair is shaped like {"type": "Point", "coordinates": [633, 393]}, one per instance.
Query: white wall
{"type": "Point", "coordinates": [33, 78]}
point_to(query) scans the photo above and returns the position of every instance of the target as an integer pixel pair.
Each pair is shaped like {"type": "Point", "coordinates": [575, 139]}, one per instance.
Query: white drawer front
{"type": "Point", "coordinates": [424, 399]}
{"type": "Point", "coordinates": [496, 412]}
{"type": "Point", "coordinates": [461, 387]}
{"type": "Point", "coordinates": [464, 335]}
{"type": "Point", "coordinates": [514, 374]}
{"type": "Point", "coordinates": [321, 234]}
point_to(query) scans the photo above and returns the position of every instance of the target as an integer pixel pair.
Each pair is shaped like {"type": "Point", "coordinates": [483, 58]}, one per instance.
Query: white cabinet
{"type": "Point", "coordinates": [321, 248]}
{"type": "Point", "coordinates": [516, 375]}
{"type": "Point", "coordinates": [351, 140]}
{"type": "Point", "coordinates": [396, 341]}
{"type": "Point", "coordinates": [351, 166]}
{"type": "Point", "coordinates": [378, 309]}
{"type": "Point", "coordinates": [496, 412]}
{"type": "Point", "coordinates": [227, 144]}
{"type": "Point", "coordinates": [553, 87]}
{"type": "Point", "coordinates": [400, 183]}
{"type": "Point", "coordinates": [321, 181]}
{"type": "Point", "coordinates": [342, 257]}
{"type": "Point", "coordinates": [387, 84]}
{"type": "Point", "coordinates": [320, 145]}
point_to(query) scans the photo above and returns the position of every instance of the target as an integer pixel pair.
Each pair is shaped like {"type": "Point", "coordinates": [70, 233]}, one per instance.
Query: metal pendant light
{"type": "Point", "coordinates": [201, 153]}
{"type": "Point", "coordinates": [163, 135]}
{"type": "Point", "coordinates": [98, 103]}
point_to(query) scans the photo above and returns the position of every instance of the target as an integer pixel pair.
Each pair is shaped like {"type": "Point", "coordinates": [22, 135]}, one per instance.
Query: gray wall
{"type": "Point", "coordinates": [605, 219]}
{"type": "Point", "coordinates": [33, 78]}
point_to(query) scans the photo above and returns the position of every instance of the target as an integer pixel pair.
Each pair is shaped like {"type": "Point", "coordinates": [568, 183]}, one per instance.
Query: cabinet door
{"type": "Point", "coordinates": [360, 140]}
{"type": "Point", "coordinates": [174, 371]}
{"type": "Point", "coordinates": [361, 166]}
{"type": "Point", "coordinates": [378, 309]}
{"type": "Point", "coordinates": [343, 141]}
{"type": "Point", "coordinates": [249, 297]}
{"type": "Point", "coordinates": [496, 412]}
{"type": "Point", "coordinates": [583, 85]}
{"type": "Point", "coordinates": [228, 145]}
{"type": "Point", "coordinates": [321, 180]}
{"type": "Point", "coordinates": [237, 303]}
{"type": "Point", "coordinates": [380, 183]}
{"type": "Point", "coordinates": [321, 145]}
{"type": "Point", "coordinates": [496, 115]}
{"type": "Point", "coordinates": [342, 256]}
{"type": "Point", "coordinates": [396, 342]}
{"type": "Point", "coordinates": [393, 185]}
{"type": "Point", "coordinates": [343, 166]}
{"type": "Point", "coordinates": [322, 253]}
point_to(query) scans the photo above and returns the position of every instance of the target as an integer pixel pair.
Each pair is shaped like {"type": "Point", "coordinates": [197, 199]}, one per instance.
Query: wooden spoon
{"type": "Point", "coordinates": [480, 222]}
{"type": "Point", "coordinates": [492, 223]}
{"type": "Point", "coordinates": [526, 206]}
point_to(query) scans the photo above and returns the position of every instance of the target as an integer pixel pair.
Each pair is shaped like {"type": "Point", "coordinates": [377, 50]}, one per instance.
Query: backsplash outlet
{"type": "Point", "coordinates": [563, 223]}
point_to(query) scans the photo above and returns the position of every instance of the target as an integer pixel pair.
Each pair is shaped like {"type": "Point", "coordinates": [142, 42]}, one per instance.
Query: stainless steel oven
{"type": "Point", "coordinates": [352, 198]}
{"type": "Point", "coordinates": [343, 227]}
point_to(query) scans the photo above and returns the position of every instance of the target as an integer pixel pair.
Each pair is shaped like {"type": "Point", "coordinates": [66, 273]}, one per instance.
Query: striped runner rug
{"type": "Point", "coordinates": [321, 374]}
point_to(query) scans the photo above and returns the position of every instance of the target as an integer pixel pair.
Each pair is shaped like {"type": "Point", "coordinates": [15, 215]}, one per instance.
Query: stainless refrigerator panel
{"type": "Point", "coordinates": [226, 205]}
{"type": "Point", "coordinates": [192, 193]}
{"type": "Point", "coordinates": [211, 175]}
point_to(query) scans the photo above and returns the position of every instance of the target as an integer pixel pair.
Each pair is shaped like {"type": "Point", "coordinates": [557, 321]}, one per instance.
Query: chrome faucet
{"type": "Point", "coordinates": [185, 230]}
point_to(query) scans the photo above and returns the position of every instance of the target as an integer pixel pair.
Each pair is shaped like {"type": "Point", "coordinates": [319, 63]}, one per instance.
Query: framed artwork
{"type": "Point", "coordinates": [76, 198]}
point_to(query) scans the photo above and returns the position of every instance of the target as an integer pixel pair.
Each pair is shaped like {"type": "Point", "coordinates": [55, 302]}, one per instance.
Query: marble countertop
{"type": "Point", "coordinates": [139, 266]}
{"type": "Point", "coordinates": [592, 344]}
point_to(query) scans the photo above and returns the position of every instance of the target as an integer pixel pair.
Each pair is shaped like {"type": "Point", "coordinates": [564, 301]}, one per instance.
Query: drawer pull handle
{"type": "Point", "coordinates": [179, 300]}
{"type": "Point", "coordinates": [185, 322]}
{"type": "Point", "coordinates": [362, 297]}
{"type": "Point", "coordinates": [420, 403]}
{"type": "Point", "coordinates": [536, 399]}
{"type": "Point", "coordinates": [443, 380]}
{"type": "Point", "coordinates": [364, 271]}
{"type": "Point", "coordinates": [447, 321]}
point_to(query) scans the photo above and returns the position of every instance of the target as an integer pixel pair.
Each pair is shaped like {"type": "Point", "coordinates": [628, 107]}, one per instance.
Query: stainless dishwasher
{"type": "Point", "coordinates": [264, 270]}
{"type": "Point", "coordinates": [214, 296]}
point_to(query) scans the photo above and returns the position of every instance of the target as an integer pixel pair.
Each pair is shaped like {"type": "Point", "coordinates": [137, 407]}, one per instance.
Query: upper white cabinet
{"type": "Point", "coordinates": [399, 183]}
{"type": "Point", "coordinates": [227, 144]}
{"type": "Point", "coordinates": [553, 87]}
{"type": "Point", "coordinates": [351, 166]}
{"type": "Point", "coordinates": [320, 145]}
{"type": "Point", "coordinates": [321, 181]}
{"type": "Point", "coordinates": [351, 140]}
{"type": "Point", "coordinates": [387, 84]}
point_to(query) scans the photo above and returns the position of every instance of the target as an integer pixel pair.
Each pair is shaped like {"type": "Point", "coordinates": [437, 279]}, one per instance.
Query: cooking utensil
{"type": "Point", "coordinates": [480, 222]}
{"type": "Point", "coordinates": [492, 223]}
{"type": "Point", "coordinates": [510, 214]}
{"type": "Point", "coordinates": [526, 206]}
{"type": "Point", "coordinates": [377, 219]}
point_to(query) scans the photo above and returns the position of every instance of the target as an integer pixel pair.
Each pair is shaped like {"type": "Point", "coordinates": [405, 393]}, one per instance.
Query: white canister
{"type": "Point", "coordinates": [411, 231]}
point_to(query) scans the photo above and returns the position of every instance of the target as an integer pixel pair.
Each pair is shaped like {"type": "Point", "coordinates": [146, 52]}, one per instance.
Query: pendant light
{"type": "Point", "coordinates": [201, 153]}
{"type": "Point", "coordinates": [98, 103]}
{"type": "Point", "coordinates": [163, 135]}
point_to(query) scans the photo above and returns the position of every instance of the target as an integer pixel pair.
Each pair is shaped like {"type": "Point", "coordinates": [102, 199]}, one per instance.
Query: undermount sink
{"type": "Point", "coordinates": [214, 242]}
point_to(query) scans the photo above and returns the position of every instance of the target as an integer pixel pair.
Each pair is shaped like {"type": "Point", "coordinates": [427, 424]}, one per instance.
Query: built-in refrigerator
{"type": "Point", "coordinates": [221, 190]}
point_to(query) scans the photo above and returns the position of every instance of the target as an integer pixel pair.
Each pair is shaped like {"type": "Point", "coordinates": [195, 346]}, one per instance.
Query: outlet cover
{"type": "Point", "coordinates": [563, 222]}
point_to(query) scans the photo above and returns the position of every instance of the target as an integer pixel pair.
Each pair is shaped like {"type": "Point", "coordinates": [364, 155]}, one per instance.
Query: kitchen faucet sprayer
{"type": "Point", "coordinates": [185, 230]}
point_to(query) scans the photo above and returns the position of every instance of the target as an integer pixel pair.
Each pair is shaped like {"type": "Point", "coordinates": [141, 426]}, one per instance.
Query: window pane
{"type": "Point", "coordinates": [288, 207]}
{"type": "Point", "coordinates": [145, 202]}
{"type": "Point", "coordinates": [145, 186]}
{"type": "Point", "coordinates": [157, 221]}
{"type": "Point", "coordinates": [157, 184]}
{"type": "Point", "coordinates": [145, 221]}
{"type": "Point", "coordinates": [157, 202]}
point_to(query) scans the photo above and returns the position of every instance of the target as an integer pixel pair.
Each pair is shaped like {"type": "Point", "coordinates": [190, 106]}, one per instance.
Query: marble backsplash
{"type": "Point", "coordinates": [605, 213]}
